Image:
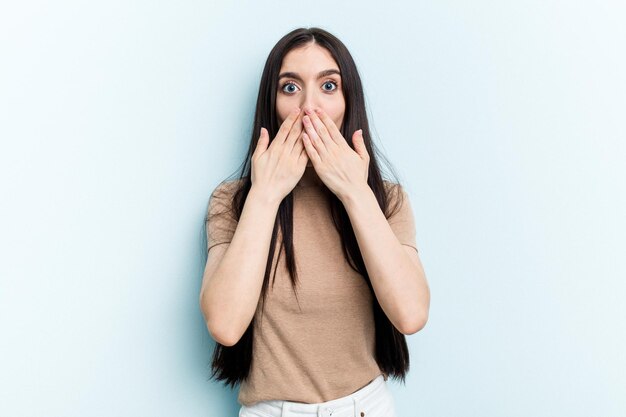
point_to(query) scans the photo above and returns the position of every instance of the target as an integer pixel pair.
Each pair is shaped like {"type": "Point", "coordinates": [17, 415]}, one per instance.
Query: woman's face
{"type": "Point", "coordinates": [309, 77]}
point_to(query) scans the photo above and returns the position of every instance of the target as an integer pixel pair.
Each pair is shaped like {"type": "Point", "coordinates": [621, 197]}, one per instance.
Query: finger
{"type": "Point", "coordinates": [311, 151]}
{"type": "Point", "coordinates": [285, 127]}
{"type": "Point", "coordinates": [294, 133]}
{"type": "Point", "coordinates": [321, 130]}
{"type": "Point", "coordinates": [298, 145]}
{"type": "Point", "coordinates": [314, 138]}
{"type": "Point", "coordinates": [359, 144]}
{"type": "Point", "coordinates": [303, 158]}
{"type": "Point", "coordinates": [261, 144]}
{"type": "Point", "coordinates": [333, 130]}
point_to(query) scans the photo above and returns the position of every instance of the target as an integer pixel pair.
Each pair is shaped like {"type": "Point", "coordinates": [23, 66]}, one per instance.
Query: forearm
{"type": "Point", "coordinates": [231, 294]}
{"type": "Point", "coordinates": [399, 283]}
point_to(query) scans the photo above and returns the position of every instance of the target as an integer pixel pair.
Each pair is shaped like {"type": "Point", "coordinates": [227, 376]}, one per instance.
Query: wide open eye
{"type": "Point", "coordinates": [329, 82]}
{"type": "Point", "coordinates": [291, 87]}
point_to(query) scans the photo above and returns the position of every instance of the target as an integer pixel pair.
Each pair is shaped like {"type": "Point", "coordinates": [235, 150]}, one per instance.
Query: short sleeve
{"type": "Point", "coordinates": [220, 221]}
{"type": "Point", "coordinates": [402, 221]}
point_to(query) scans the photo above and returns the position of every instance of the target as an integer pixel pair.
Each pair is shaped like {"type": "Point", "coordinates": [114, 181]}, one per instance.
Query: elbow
{"type": "Point", "coordinates": [416, 317]}
{"type": "Point", "coordinates": [224, 338]}
{"type": "Point", "coordinates": [222, 334]}
{"type": "Point", "coordinates": [414, 324]}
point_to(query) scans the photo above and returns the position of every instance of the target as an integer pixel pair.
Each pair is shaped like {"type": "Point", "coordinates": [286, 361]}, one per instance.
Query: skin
{"type": "Point", "coordinates": [310, 91]}
{"type": "Point", "coordinates": [233, 274]}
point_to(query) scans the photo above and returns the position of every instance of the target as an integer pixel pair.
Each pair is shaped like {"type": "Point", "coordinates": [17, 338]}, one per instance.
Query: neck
{"type": "Point", "coordinates": [309, 178]}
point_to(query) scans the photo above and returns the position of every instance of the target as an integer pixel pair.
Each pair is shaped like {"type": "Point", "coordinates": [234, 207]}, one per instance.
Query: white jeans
{"type": "Point", "coordinates": [373, 400]}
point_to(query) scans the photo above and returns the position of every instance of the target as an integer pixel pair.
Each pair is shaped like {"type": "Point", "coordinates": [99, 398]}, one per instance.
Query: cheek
{"type": "Point", "coordinates": [338, 121]}
{"type": "Point", "coordinates": [282, 111]}
{"type": "Point", "coordinates": [336, 112]}
{"type": "Point", "coordinates": [337, 118]}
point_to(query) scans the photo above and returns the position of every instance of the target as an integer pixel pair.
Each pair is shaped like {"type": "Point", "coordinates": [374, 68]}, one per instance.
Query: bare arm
{"type": "Point", "coordinates": [233, 276]}
{"type": "Point", "coordinates": [395, 269]}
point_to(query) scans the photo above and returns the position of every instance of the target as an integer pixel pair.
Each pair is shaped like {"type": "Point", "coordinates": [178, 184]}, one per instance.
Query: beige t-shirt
{"type": "Point", "coordinates": [320, 346]}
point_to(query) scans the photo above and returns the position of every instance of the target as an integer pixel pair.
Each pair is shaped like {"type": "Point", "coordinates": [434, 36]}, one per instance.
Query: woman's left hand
{"type": "Point", "coordinates": [341, 168]}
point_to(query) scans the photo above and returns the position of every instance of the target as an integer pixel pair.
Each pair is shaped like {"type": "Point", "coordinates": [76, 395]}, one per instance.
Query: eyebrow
{"type": "Point", "coordinates": [320, 75]}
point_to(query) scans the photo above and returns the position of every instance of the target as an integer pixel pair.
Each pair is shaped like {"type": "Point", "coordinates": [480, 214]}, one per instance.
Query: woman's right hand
{"type": "Point", "coordinates": [277, 168]}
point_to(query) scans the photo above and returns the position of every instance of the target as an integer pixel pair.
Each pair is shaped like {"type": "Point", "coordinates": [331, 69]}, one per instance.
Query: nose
{"type": "Point", "coordinates": [309, 101]}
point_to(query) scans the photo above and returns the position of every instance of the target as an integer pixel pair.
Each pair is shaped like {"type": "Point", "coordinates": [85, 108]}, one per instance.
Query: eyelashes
{"type": "Point", "coordinates": [291, 83]}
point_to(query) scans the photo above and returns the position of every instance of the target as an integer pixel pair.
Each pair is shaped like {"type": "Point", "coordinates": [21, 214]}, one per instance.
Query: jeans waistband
{"type": "Point", "coordinates": [350, 401]}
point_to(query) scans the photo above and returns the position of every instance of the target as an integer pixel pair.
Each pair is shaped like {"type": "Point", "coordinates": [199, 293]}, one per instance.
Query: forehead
{"type": "Point", "coordinates": [309, 59]}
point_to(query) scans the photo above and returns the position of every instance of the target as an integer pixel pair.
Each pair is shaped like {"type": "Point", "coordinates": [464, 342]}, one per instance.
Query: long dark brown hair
{"type": "Point", "coordinates": [231, 364]}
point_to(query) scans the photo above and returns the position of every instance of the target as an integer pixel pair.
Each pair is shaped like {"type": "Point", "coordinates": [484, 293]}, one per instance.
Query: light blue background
{"type": "Point", "coordinates": [504, 119]}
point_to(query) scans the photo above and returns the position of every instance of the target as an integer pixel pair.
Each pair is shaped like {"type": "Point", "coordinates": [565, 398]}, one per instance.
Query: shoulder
{"type": "Point", "coordinates": [221, 198]}
{"type": "Point", "coordinates": [391, 186]}
{"type": "Point", "coordinates": [227, 188]}
{"type": "Point", "coordinates": [395, 192]}
{"type": "Point", "coordinates": [397, 199]}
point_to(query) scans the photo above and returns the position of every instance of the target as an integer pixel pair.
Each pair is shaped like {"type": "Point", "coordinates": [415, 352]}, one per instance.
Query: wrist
{"type": "Point", "coordinates": [356, 194]}
{"type": "Point", "coordinates": [263, 196]}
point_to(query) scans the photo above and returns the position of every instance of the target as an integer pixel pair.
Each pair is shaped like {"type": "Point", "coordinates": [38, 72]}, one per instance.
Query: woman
{"type": "Point", "coordinates": [325, 326]}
